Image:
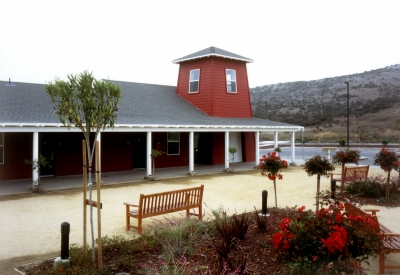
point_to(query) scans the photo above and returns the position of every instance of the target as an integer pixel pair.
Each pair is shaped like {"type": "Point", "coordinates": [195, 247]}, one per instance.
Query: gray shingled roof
{"type": "Point", "coordinates": [141, 104]}
{"type": "Point", "coordinates": [213, 51]}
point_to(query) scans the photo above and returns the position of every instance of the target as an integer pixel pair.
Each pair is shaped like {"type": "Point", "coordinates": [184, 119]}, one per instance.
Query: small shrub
{"type": "Point", "coordinates": [242, 224]}
{"type": "Point", "coordinates": [315, 244]}
{"type": "Point", "coordinates": [261, 221]}
{"type": "Point", "coordinates": [229, 230]}
{"type": "Point", "coordinates": [384, 141]}
{"type": "Point", "coordinates": [366, 187]}
{"type": "Point", "coordinates": [177, 235]}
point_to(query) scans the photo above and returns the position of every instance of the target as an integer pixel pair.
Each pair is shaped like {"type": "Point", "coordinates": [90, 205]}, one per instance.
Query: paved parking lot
{"type": "Point", "coordinates": [303, 153]}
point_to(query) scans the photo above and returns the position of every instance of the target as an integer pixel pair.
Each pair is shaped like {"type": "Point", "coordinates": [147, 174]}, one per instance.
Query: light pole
{"type": "Point", "coordinates": [348, 114]}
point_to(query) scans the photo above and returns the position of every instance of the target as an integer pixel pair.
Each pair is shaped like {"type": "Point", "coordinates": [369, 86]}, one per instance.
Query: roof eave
{"type": "Point", "coordinates": [247, 60]}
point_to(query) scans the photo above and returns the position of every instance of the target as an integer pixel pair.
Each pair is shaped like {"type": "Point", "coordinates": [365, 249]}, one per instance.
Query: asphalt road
{"type": "Point", "coordinates": [367, 154]}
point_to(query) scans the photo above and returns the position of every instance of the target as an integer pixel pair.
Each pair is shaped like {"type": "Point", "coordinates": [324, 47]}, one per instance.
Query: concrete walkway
{"type": "Point", "coordinates": [12, 187]}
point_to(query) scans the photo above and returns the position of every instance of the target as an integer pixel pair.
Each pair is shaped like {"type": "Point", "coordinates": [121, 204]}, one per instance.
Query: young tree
{"type": "Point", "coordinates": [38, 163]}
{"type": "Point", "coordinates": [233, 150]}
{"type": "Point", "coordinates": [318, 166]}
{"type": "Point", "coordinates": [154, 154]}
{"type": "Point", "coordinates": [342, 157]}
{"type": "Point", "coordinates": [271, 166]}
{"type": "Point", "coordinates": [388, 160]}
{"type": "Point", "coordinates": [90, 105]}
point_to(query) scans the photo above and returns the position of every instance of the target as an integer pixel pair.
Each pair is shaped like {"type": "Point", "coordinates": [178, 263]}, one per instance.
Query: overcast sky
{"type": "Point", "coordinates": [137, 40]}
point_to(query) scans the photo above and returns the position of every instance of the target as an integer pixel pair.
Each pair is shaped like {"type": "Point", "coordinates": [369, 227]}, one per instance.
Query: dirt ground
{"type": "Point", "coordinates": [30, 223]}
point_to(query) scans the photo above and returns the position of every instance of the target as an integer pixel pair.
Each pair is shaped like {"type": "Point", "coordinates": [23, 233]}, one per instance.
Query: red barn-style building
{"type": "Point", "coordinates": [195, 123]}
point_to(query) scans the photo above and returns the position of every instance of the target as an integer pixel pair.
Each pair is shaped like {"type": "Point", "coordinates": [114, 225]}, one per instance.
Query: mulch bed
{"type": "Point", "coordinates": [256, 249]}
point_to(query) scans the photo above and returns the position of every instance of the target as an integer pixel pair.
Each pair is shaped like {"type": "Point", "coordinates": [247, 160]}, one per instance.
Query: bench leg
{"type": "Point", "coordinates": [381, 263]}
{"type": "Point", "coordinates": [200, 212]}
{"type": "Point", "coordinates": [139, 226]}
{"type": "Point", "coordinates": [127, 218]}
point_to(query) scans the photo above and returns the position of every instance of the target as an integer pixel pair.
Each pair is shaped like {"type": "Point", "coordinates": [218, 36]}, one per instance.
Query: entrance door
{"type": "Point", "coordinates": [203, 148]}
{"type": "Point", "coordinates": [139, 150]}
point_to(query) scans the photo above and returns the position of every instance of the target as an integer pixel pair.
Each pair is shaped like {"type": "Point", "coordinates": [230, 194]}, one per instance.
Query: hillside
{"type": "Point", "coordinates": [322, 104]}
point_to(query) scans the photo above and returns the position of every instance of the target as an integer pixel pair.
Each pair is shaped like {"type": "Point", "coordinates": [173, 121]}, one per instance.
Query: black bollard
{"type": "Point", "coordinates": [64, 241]}
{"type": "Point", "coordinates": [264, 202]}
{"type": "Point", "coordinates": [333, 189]}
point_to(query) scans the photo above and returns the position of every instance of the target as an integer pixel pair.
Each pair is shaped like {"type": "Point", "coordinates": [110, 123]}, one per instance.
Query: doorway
{"type": "Point", "coordinates": [203, 148]}
{"type": "Point", "coordinates": [139, 141]}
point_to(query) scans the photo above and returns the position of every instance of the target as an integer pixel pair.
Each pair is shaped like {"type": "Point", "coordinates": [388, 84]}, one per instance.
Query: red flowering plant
{"type": "Point", "coordinates": [343, 157]}
{"type": "Point", "coordinates": [320, 166]}
{"type": "Point", "coordinates": [271, 166]}
{"type": "Point", "coordinates": [388, 160]}
{"type": "Point", "coordinates": [310, 243]}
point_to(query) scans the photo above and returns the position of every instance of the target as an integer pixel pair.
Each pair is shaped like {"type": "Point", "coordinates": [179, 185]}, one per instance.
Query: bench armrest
{"type": "Point", "coordinates": [391, 234]}
{"type": "Point", "coordinates": [372, 210]}
{"type": "Point", "coordinates": [129, 204]}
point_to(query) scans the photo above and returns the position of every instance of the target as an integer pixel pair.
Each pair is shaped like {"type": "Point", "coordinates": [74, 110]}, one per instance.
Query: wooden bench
{"type": "Point", "coordinates": [390, 241]}
{"type": "Point", "coordinates": [164, 203]}
{"type": "Point", "coordinates": [352, 173]}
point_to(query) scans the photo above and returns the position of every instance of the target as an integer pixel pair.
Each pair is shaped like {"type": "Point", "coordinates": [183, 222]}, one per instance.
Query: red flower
{"type": "Point", "coordinates": [338, 217]}
{"type": "Point", "coordinates": [278, 238]}
{"type": "Point", "coordinates": [285, 224]}
{"type": "Point", "coordinates": [336, 240]}
{"type": "Point", "coordinates": [280, 177]}
{"type": "Point", "coordinates": [300, 209]}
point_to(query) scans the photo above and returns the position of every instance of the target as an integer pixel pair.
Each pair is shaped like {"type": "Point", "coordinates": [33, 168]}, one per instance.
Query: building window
{"type": "Point", "coordinates": [173, 143]}
{"type": "Point", "coordinates": [230, 81]}
{"type": "Point", "coordinates": [1, 148]}
{"type": "Point", "coordinates": [194, 80]}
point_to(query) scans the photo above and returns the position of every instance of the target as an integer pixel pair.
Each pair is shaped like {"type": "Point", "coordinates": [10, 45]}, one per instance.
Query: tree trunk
{"type": "Point", "coordinates": [90, 195]}
{"type": "Point", "coordinates": [317, 196]}
{"type": "Point", "coordinates": [387, 187]}
{"type": "Point", "coordinates": [276, 201]}
{"type": "Point", "coordinates": [342, 183]}
{"type": "Point", "coordinates": [153, 167]}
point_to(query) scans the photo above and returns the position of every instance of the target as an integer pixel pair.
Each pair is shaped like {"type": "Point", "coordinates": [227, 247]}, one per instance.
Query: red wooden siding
{"type": "Point", "coordinates": [202, 99]}
{"type": "Point", "coordinates": [159, 140]}
{"type": "Point", "coordinates": [17, 147]}
{"type": "Point", "coordinates": [213, 99]}
{"type": "Point", "coordinates": [68, 156]}
{"type": "Point", "coordinates": [116, 152]}
{"type": "Point", "coordinates": [248, 147]}
{"type": "Point", "coordinates": [218, 148]}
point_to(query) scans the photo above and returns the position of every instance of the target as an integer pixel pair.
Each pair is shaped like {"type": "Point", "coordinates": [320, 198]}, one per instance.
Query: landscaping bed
{"type": "Point", "coordinates": [144, 255]}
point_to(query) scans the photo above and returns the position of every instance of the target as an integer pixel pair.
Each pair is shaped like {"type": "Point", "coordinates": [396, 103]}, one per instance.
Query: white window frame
{"type": "Point", "coordinates": [194, 80]}
{"type": "Point", "coordinates": [229, 81]}
{"type": "Point", "coordinates": [173, 141]}
{"type": "Point", "coordinates": [2, 148]}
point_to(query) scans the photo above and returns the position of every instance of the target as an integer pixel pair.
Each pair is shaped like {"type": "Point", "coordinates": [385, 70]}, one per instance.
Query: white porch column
{"type": "Point", "coordinates": [275, 139]}
{"type": "Point", "coordinates": [226, 152]}
{"type": "Point", "coordinates": [257, 139]}
{"type": "Point", "coordinates": [148, 152]}
{"type": "Point", "coordinates": [35, 157]}
{"type": "Point", "coordinates": [191, 154]}
{"type": "Point", "coordinates": [293, 146]}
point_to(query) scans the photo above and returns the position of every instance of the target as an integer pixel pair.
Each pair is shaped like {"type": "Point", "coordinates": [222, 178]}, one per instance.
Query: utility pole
{"type": "Point", "coordinates": [348, 114]}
